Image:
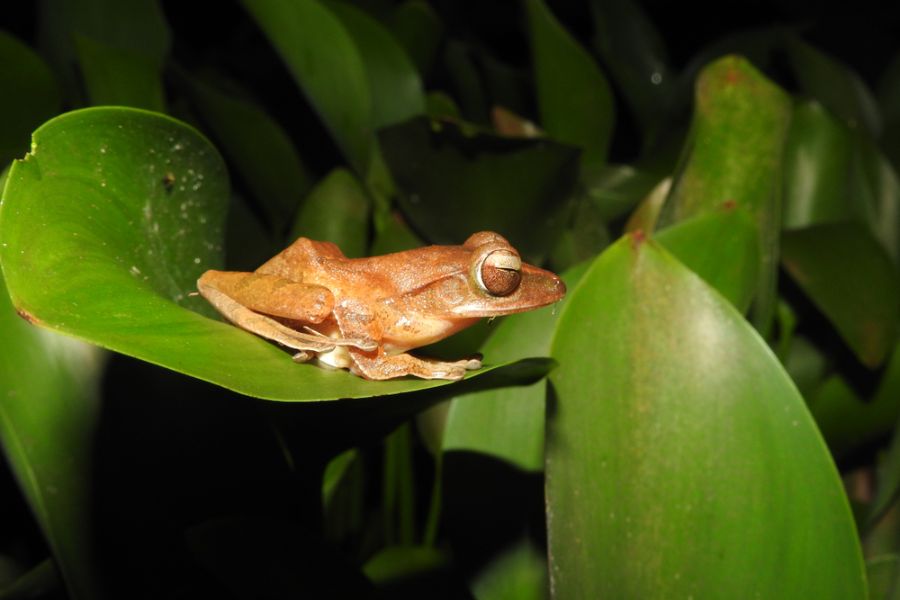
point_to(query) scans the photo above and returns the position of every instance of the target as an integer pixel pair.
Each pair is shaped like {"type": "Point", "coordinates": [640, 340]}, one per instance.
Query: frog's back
{"type": "Point", "coordinates": [301, 258]}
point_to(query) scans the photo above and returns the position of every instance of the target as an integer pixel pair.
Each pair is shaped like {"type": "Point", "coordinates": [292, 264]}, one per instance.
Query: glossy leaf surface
{"type": "Point", "coordinates": [107, 226]}
{"type": "Point", "coordinates": [681, 459]}
{"type": "Point", "coordinates": [337, 210]}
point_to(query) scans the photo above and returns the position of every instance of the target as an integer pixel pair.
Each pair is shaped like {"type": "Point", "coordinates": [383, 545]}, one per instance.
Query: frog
{"type": "Point", "coordinates": [365, 314]}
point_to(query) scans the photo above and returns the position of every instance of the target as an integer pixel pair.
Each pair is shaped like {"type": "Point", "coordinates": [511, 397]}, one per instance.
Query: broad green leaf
{"type": "Point", "coordinates": [394, 84]}
{"type": "Point", "coordinates": [115, 76]}
{"type": "Point", "coordinates": [262, 153]}
{"type": "Point", "coordinates": [106, 226]}
{"type": "Point", "coordinates": [574, 98]}
{"type": "Point", "coordinates": [337, 210]}
{"type": "Point", "coordinates": [721, 248]}
{"type": "Point", "coordinates": [49, 412]}
{"type": "Point", "coordinates": [734, 155]}
{"type": "Point", "coordinates": [681, 461]}
{"type": "Point", "coordinates": [441, 106]}
{"type": "Point", "coordinates": [36, 96]}
{"type": "Point", "coordinates": [468, 89]}
{"type": "Point", "coordinates": [335, 81]}
{"type": "Point", "coordinates": [817, 160]}
{"type": "Point", "coordinates": [456, 180]}
{"type": "Point", "coordinates": [119, 48]}
{"type": "Point", "coordinates": [419, 30]}
{"type": "Point", "coordinates": [633, 51]}
{"type": "Point", "coordinates": [850, 278]}
{"type": "Point", "coordinates": [835, 85]}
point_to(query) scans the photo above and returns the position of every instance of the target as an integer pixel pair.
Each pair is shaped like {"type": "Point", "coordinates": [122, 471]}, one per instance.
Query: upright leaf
{"type": "Point", "coordinates": [337, 210]}
{"type": "Point", "coordinates": [36, 96]}
{"type": "Point", "coordinates": [852, 281]}
{"type": "Point", "coordinates": [335, 81]}
{"type": "Point", "coordinates": [681, 460]}
{"type": "Point", "coordinates": [817, 162]}
{"type": "Point", "coordinates": [118, 47]}
{"type": "Point", "coordinates": [261, 152]}
{"type": "Point", "coordinates": [733, 156]}
{"type": "Point", "coordinates": [394, 83]}
{"type": "Point", "coordinates": [49, 411]}
{"type": "Point", "coordinates": [633, 51]}
{"type": "Point", "coordinates": [835, 85]}
{"type": "Point", "coordinates": [574, 98]}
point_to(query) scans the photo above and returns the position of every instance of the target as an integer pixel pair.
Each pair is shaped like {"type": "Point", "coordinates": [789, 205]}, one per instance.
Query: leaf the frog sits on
{"type": "Point", "coordinates": [364, 314]}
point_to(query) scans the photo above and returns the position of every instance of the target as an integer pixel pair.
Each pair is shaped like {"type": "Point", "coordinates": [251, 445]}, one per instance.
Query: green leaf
{"type": "Point", "coordinates": [335, 81]}
{"type": "Point", "coordinates": [817, 160]}
{"type": "Point", "coordinates": [107, 225]}
{"type": "Point", "coordinates": [633, 51]}
{"type": "Point", "coordinates": [733, 155]}
{"type": "Point", "coordinates": [848, 276]}
{"type": "Point", "coordinates": [457, 180]}
{"type": "Point", "coordinates": [468, 88]}
{"type": "Point", "coordinates": [419, 30]}
{"type": "Point", "coordinates": [49, 412]}
{"type": "Point", "coordinates": [617, 189]}
{"type": "Point", "coordinates": [395, 564]}
{"type": "Point", "coordinates": [681, 461]}
{"type": "Point", "coordinates": [114, 76]}
{"type": "Point", "coordinates": [849, 422]}
{"type": "Point", "coordinates": [337, 210]}
{"type": "Point", "coordinates": [518, 573]}
{"type": "Point", "coordinates": [119, 47]}
{"type": "Point", "coordinates": [36, 96]}
{"type": "Point", "coordinates": [721, 248]}
{"type": "Point", "coordinates": [835, 85]}
{"type": "Point", "coordinates": [394, 83]}
{"type": "Point", "coordinates": [574, 98]}
{"type": "Point", "coordinates": [876, 191]}
{"type": "Point", "coordinates": [262, 153]}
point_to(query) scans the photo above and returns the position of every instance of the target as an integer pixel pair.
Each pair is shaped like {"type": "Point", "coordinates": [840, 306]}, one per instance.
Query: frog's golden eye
{"type": "Point", "coordinates": [499, 273]}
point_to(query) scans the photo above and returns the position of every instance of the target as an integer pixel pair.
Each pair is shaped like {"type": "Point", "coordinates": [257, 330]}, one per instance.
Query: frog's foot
{"type": "Point", "coordinates": [380, 367]}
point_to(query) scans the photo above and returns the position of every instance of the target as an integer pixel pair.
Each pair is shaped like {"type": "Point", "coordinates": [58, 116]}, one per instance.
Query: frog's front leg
{"type": "Point", "coordinates": [241, 297]}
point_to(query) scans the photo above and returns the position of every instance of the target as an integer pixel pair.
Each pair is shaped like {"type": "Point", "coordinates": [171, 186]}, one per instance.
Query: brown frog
{"type": "Point", "coordinates": [364, 314]}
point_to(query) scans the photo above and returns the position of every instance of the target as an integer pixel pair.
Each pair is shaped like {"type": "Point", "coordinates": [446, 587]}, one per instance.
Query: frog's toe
{"type": "Point", "coordinates": [302, 356]}
{"type": "Point", "coordinates": [471, 364]}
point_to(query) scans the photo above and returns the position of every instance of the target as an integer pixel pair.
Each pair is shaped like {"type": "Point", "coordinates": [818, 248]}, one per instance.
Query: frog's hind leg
{"type": "Point", "coordinates": [238, 296]}
{"type": "Point", "coordinates": [378, 366]}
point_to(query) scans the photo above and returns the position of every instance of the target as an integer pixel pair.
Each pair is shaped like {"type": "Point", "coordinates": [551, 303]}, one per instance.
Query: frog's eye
{"type": "Point", "coordinates": [499, 273]}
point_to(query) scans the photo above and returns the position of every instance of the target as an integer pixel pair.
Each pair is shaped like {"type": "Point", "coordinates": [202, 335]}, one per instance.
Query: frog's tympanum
{"type": "Point", "coordinates": [363, 314]}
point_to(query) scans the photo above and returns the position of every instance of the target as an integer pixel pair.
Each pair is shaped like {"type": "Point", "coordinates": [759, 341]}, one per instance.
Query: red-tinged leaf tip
{"type": "Point", "coordinates": [638, 237]}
